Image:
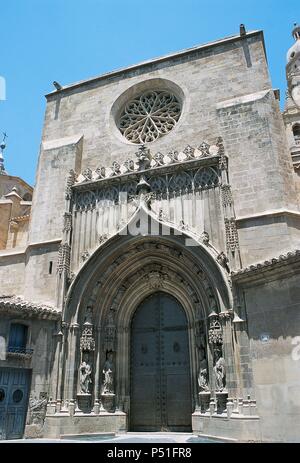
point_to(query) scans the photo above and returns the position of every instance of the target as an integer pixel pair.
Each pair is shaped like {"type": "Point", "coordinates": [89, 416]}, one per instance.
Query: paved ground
{"type": "Point", "coordinates": [149, 438]}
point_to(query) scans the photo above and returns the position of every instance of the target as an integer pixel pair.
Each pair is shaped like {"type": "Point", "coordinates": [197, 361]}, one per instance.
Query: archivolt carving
{"type": "Point", "coordinates": [155, 276]}
{"type": "Point", "coordinates": [110, 333]}
{"type": "Point", "coordinates": [148, 161]}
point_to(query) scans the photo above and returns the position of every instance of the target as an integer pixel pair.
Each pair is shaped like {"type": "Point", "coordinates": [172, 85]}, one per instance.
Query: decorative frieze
{"type": "Point", "coordinates": [155, 280]}
{"type": "Point", "coordinates": [147, 161]}
{"type": "Point", "coordinates": [109, 333]}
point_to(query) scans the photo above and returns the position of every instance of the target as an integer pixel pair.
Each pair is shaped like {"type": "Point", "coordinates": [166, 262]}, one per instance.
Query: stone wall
{"type": "Point", "coordinates": [41, 341]}
{"type": "Point", "coordinates": [40, 284]}
{"type": "Point", "coordinates": [272, 313]}
{"type": "Point", "coordinates": [12, 272]}
{"type": "Point", "coordinates": [225, 90]}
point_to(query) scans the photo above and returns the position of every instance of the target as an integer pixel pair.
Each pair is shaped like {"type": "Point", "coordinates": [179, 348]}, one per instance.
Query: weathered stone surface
{"type": "Point", "coordinates": [217, 201]}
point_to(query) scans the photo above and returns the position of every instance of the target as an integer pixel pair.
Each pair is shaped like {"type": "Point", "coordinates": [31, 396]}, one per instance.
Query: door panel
{"type": "Point", "coordinates": [160, 369]}
{"type": "Point", "coordinates": [15, 384]}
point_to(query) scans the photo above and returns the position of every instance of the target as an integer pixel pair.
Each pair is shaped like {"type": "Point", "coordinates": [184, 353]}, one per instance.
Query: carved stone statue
{"type": "Point", "coordinates": [85, 377]}
{"type": "Point", "coordinates": [203, 372]}
{"type": "Point", "coordinates": [219, 371]}
{"type": "Point", "coordinates": [88, 317]}
{"type": "Point", "coordinates": [37, 411]}
{"type": "Point", "coordinates": [108, 381]}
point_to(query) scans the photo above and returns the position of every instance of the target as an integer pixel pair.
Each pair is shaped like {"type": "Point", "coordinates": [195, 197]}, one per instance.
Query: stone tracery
{"type": "Point", "coordinates": [149, 116]}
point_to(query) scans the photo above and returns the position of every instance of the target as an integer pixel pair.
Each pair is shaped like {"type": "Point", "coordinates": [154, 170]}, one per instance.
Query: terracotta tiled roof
{"type": "Point", "coordinates": [18, 304]}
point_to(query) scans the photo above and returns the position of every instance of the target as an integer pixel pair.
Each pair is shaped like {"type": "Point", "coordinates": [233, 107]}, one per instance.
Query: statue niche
{"type": "Point", "coordinates": [219, 370]}
{"type": "Point", "coordinates": [108, 395]}
{"type": "Point", "coordinates": [108, 373]}
{"type": "Point", "coordinates": [203, 372]}
{"type": "Point", "coordinates": [85, 380]}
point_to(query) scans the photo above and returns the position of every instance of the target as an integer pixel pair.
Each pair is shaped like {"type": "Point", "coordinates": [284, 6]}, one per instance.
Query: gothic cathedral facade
{"type": "Point", "coordinates": [157, 284]}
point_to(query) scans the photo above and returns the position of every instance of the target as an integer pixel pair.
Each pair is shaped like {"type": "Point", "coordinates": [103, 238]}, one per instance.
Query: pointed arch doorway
{"type": "Point", "coordinates": [160, 379]}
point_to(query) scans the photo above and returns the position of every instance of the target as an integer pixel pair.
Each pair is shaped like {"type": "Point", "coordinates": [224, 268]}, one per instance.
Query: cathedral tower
{"type": "Point", "coordinates": [292, 106]}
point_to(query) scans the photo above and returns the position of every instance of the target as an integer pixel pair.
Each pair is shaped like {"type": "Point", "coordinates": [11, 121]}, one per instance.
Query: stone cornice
{"type": "Point", "coordinates": [23, 250]}
{"type": "Point", "coordinates": [149, 164]}
{"type": "Point", "coordinates": [187, 165]}
{"type": "Point", "coordinates": [146, 64]}
{"type": "Point", "coordinates": [274, 212]}
{"type": "Point", "coordinates": [17, 305]}
{"type": "Point", "coordinates": [282, 265]}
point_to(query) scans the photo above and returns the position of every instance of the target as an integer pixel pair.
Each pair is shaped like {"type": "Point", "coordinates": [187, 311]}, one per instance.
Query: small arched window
{"type": "Point", "coordinates": [296, 132]}
{"type": "Point", "coordinates": [17, 337]}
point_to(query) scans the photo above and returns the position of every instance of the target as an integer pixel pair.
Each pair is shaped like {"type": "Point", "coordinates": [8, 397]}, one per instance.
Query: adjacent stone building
{"type": "Point", "coordinates": [158, 285]}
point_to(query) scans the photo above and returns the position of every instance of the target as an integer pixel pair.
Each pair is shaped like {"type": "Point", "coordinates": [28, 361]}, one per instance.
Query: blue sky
{"type": "Point", "coordinates": [70, 40]}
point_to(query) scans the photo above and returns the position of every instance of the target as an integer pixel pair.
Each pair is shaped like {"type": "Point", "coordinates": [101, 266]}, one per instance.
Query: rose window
{"type": "Point", "coordinates": [149, 116]}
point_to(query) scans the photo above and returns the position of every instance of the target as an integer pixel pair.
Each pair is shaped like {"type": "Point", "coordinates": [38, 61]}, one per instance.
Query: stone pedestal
{"type": "Point", "coordinates": [58, 406]}
{"type": "Point", "coordinates": [212, 406]}
{"type": "Point", "coordinates": [108, 402]}
{"type": "Point", "coordinates": [229, 407]}
{"type": "Point", "coordinates": [84, 402]}
{"type": "Point", "coordinates": [51, 407]}
{"type": "Point", "coordinates": [204, 399]}
{"type": "Point", "coordinates": [96, 408]}
{"type": "Point", "coordinates": [72, 407]}
{"type": "Point", "coordinates": [221, 398]}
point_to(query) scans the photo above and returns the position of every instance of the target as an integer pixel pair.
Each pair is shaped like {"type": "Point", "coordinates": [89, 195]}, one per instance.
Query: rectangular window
{"type": "Point", "coordinates": [17, 337]}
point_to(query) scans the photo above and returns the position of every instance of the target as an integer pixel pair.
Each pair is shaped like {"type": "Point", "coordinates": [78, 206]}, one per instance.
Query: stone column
{"type": "Point", "coordinates": [62, 361]}
{"type": "Point", "coordinates": [97, 376]}
{"type": "Point", "coordinates": [228, 352]}
{"type": "Point", "coordinates": [55, 373]}
{"type": "Point", "coordinates": [73, 361]}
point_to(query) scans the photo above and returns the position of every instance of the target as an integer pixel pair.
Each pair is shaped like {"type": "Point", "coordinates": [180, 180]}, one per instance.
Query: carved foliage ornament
{"type": "Point", "coordinates": [67, 222]}
{"type": "Point", "coordinates": [149, 116]}
{"type": "Point", "coordinates": [63, 264]}
{"type": "Point", "coordinates": [110, 333]}
{"type": "Point", "coordinates": [232, 239]}
{"type": "Point", "coordinates": [215, 335]}
{"type": "Point", "coordinates": [71, 179]}
{"type": "Point", "coordinates": [87, 341]}
{"type": "Point", "coordinates": [227, 198]}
